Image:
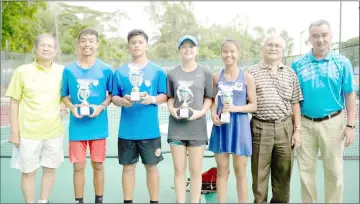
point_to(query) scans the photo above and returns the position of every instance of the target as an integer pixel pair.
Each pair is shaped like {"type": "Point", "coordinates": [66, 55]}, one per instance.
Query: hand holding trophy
{"type": "Point", "coordinates": [84, 92]}
{"type": "Point", "coordinates": [136, 78]}
{"type": "Point", "coordinates": [184, 94]}
{"type": "Point", "coordinates": [226, 98]}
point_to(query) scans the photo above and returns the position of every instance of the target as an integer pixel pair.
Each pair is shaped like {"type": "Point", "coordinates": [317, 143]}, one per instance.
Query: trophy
{"type": "Point", "coordinates": [84, 93]}
{"type": "Point", "coordinates": [184, 94]}
{"type": "Point", "coordinates": [136, 78]}
{"type": "Point", "coordinates": [226, 98]}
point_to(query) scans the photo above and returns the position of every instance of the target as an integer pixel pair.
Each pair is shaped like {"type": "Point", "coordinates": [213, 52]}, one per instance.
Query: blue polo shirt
{"type": "Point", "coordinates": [323, 83]}
{"type": "Point", "coordinates": [139, 122]}
{"type": "Point", "coordinates": [98, 79]}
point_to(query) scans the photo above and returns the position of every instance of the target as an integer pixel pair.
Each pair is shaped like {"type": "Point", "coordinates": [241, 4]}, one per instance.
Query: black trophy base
{"type": "Point", "coordinates": [184, 117]}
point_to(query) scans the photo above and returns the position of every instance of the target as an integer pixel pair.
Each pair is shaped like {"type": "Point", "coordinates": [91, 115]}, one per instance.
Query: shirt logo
{"type": "Point", "coordinates": [238, 86]}
{"type": "Point", "coordinates": [95, 82]}
{"type": "Point", "coordinates": [147, 83]}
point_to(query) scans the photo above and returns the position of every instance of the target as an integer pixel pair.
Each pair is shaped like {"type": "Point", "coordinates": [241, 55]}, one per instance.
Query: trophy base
{"type": "Point", "coordinates": [184, 113]}
{"type": "Point", "coordinates": [84, 111]}
{"type": "Point", "coordinates": [225, 118]}
{"type": "Point", "coordinates": [135, 97]}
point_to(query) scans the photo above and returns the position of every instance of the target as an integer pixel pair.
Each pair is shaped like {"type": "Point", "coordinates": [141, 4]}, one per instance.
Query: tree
{"type": "Point", "coordinates": [289, 41]}
{"type": "Point", "coordinates": [72, 19]}
{"type": "Point", "coordinates": [19, 24]}
{"type": "Point", "coordinates": [173, 20]}
{"type": "Point", "coordinates": [350, 49]}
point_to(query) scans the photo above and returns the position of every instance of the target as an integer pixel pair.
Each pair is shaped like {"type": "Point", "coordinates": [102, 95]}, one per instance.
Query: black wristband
{"type": "Point", "coordinates": [351, 126]}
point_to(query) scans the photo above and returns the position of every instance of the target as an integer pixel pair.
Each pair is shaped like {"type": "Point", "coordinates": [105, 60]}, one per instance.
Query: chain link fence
{"type": "Point", "coordinates": [10, 61]}
{"type": "Point", "coordinates": [351, 52]}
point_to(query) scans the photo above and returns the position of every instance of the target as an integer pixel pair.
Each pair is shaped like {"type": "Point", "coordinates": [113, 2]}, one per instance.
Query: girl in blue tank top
{"type": "Point", "coordinates": [234, 137]}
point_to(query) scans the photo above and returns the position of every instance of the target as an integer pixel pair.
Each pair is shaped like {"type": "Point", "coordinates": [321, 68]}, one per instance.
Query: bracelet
{"type": "Point", "coordinates": [351, 126]}
{"type": "Point", "coordinates": [153, 99]}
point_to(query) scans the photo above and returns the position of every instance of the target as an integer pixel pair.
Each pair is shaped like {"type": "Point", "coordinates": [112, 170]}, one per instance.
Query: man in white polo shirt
{"type": "Point", "coordinates": [35, 117]}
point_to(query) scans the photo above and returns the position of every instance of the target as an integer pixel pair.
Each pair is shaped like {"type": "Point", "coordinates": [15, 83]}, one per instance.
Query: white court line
{"type": "Point", "coordinates": [3, 141]}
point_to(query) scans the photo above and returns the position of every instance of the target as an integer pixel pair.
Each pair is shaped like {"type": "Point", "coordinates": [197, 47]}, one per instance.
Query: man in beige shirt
{"type": "Point", "coordinates": [274, 132]}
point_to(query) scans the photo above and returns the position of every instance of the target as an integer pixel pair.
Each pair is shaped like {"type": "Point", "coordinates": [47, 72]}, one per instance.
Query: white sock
{"type": "Point", "coordinates": [43, 201]}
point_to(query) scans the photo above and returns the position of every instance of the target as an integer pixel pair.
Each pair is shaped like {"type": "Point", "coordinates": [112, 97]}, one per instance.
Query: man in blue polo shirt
{"type": "Point", "coordinates": [139, 132]}
{"type": "Point", "coordinates": [327, 83]}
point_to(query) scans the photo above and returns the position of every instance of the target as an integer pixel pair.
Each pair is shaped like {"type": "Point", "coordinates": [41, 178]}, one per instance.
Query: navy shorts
{"type": "Point", "coordinates": [149, 150]}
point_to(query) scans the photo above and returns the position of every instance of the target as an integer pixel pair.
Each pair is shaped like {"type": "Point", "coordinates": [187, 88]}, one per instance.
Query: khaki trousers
{"type": "Point", "coordinates": [272, 152]}
{"type": "Point", "coordinates": [327, 136]}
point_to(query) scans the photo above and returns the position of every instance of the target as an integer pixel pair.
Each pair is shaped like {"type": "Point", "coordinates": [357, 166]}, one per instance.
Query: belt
{"type": "Point", "coordinates": [324, 118]}
{"type": "Point", "coordinates": [273, 121]}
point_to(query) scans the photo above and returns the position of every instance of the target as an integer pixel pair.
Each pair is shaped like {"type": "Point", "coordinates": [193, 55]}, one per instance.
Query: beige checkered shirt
{"type": "Point", "coordinates": [275, 92]}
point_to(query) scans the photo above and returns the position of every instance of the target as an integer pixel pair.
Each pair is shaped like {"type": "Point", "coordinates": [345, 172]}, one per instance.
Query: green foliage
{"type": "Point", "coordinates": [177, 19]}
{"type": "Point", "coordinates": [350, 49]}
{"type": "Point", "coordinates": [171, 27]}
{"type": "Point", "coordinates": [351, 42]}
{"type": "Point", "coordinates": [24, 20]}
{"type": "Point", "coordinates": [19, 24]}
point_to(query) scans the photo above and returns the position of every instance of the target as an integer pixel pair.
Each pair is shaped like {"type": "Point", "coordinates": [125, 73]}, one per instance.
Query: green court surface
{"type": "Point", "coordinates": [63, 189]}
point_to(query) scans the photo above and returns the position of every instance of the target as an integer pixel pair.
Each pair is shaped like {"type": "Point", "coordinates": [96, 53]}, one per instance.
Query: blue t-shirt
{"type": "Point", "coordinates": [323, 83]}
{"type": "Point", "coordinates": [139, 121]}
{"type": "Point", "coordinates": [98, 79]}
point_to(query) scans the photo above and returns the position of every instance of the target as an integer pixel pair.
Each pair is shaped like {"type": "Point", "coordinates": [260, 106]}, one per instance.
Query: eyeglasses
{"type": "Point", "coordinates": [276, 46]}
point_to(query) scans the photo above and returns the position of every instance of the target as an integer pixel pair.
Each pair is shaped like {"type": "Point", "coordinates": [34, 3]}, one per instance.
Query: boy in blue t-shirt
{"type": "Point", "coordinates": [139, 132]}
{"type": "Point", "coordinates": [86, 90]}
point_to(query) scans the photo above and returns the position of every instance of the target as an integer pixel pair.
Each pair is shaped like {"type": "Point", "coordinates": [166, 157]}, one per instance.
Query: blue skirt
{"type": "Point", "coordinates": [233, 138]}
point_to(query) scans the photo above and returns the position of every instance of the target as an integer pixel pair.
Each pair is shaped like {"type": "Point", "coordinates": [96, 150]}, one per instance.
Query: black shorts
{"type": "Point", "coordinates": [149, 150]}
{"type": "Point", "coordinates": [188, 143]}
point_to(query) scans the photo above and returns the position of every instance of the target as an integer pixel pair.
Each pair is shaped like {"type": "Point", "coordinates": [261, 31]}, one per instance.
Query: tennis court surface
{"type": "Point", "coordinates": [63, 188]}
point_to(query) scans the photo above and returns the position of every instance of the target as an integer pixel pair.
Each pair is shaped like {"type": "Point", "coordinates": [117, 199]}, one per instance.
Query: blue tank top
{"type": "Point", "coordinates": [234, 137]}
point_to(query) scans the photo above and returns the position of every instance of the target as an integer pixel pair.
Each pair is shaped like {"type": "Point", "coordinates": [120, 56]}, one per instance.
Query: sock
{"type": "Point", "coordinates": [79, 200]}
{"type": "Point", "coordinates": [154, 201]}
{"type": "Point", "coordinates": [98, 199]}
{"type": "Point", "coordinates": [127, 201]}
{"type": "Point", "coordinates": [43, 201]}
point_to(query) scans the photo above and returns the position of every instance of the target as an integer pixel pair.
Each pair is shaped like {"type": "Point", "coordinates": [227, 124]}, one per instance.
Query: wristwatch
{"type": "Point", "coordinates": [351, 126]}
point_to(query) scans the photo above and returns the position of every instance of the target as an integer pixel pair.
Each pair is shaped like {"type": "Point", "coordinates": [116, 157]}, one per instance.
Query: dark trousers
{"type": "Point", "coordinates": [272, 152]}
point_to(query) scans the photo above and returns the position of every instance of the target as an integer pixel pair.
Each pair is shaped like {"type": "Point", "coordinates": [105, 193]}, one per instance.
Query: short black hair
{"type": "Point", "coordinates": [88, 31]}
{"type": "Point", "coordinates": [136, 32]}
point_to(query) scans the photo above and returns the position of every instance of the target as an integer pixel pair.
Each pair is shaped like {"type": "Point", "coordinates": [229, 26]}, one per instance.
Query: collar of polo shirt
{"type": "Point", "coordinates": [264, 65]}
{"type": "Point", "coordinates": [37, 65]}
{"type": "Point", "coordinates": [313, 59]}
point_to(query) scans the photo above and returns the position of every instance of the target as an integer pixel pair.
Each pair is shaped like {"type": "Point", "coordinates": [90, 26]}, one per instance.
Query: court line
{"type": "Point", "coordinates": [3, 141]}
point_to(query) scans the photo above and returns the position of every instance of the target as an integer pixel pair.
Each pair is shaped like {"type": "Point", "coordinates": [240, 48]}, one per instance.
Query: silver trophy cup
{"type": "Point", "coordinates": [136, 79]}
{"type": "Point", "coordinates": [84, 93]}
{"type": "Point", "coordinates": [186, 96]}
{"type": "Point", "coordinates": [226, 98]}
